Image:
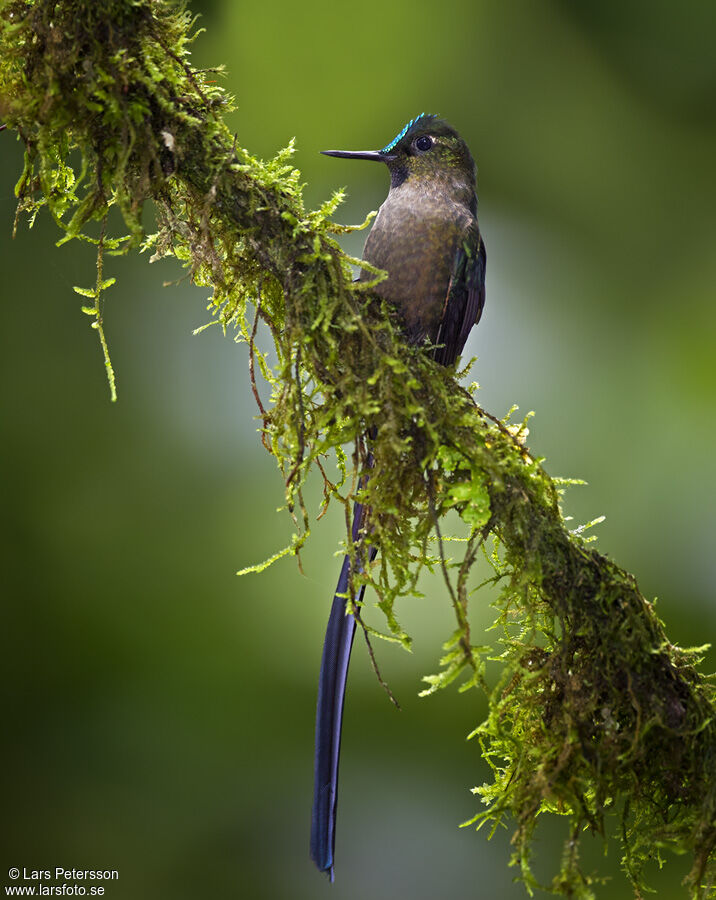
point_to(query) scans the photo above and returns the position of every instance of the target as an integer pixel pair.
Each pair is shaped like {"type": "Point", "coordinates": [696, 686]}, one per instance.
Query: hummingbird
{"type": "Point", "coordinates": [426, 237]}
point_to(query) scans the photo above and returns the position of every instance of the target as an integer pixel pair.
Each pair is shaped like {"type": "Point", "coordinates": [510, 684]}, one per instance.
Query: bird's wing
{"type": "Point", "coordinates": [465, 297]}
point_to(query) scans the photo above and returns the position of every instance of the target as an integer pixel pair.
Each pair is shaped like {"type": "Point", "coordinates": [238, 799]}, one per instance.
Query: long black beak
{"type": "Point", "coordinates": [375, 155]}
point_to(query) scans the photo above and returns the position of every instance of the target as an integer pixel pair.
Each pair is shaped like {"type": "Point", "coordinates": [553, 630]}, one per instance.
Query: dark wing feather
{"type": "Point", "coordinates": [465, 296]}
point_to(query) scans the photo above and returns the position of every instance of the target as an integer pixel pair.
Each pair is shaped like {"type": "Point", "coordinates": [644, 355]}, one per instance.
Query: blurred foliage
{"type": "Point", "coordinates": [597, 232]}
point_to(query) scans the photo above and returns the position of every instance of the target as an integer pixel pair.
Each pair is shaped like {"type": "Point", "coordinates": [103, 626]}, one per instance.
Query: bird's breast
{"type": "Point", "coordinates": [415, 239]}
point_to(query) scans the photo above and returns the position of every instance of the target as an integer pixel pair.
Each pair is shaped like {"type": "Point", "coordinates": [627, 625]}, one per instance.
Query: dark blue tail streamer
{"type": "Point", "coordinates": [329, 712]}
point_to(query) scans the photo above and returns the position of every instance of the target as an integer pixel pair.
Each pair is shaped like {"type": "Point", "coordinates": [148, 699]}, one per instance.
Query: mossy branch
{"type": "Point", "coordinates": [595, 710]}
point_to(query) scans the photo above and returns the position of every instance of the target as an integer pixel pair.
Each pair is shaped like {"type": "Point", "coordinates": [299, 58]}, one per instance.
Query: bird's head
{"type": "Point", "coordinates": [426, 149]}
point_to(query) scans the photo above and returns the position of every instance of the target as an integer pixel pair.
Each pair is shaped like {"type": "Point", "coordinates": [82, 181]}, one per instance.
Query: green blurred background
{"type": "Point", "coordinates": [158, 711]}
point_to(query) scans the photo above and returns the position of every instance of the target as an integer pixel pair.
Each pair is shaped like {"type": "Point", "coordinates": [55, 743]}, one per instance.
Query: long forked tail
{"type": "Point", "coordinates": [329, 712]}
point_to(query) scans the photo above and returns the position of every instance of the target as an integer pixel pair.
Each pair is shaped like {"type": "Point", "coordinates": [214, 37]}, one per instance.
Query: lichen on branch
{"type": "Point", "coordinates": [596, 714]}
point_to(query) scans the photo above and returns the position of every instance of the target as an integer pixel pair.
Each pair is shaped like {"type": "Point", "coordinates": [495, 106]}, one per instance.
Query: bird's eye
{"type": "Point", "coordinates": [424, 142]}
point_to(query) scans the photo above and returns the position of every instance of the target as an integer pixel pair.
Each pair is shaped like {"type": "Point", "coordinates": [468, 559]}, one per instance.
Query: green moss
{"type": "Point", "coordinates": [595, 711]}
